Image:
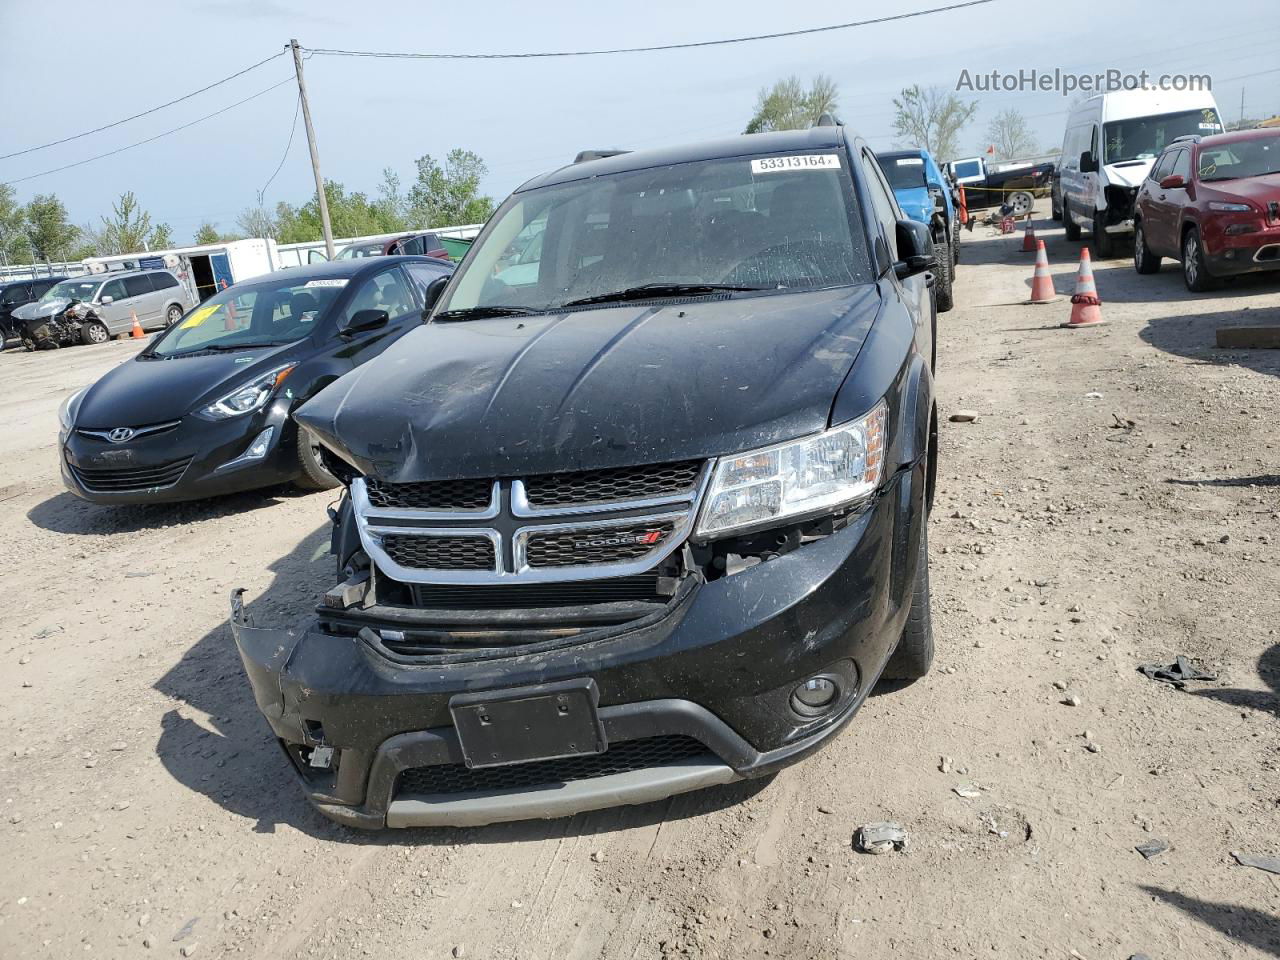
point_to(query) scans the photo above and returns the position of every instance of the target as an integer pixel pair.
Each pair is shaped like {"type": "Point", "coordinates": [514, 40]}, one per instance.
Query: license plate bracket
{"type": "Point", "coordinates": [527, 724]}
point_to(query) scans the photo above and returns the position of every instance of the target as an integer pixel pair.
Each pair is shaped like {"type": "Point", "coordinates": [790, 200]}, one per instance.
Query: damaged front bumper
{"type": "Point", "coordinates": [702, 695]}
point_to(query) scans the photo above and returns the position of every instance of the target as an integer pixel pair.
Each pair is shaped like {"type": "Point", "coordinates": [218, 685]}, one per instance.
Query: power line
{"type": "Point", "coordinates": [112, 153]}
{"type": "Point", "coordinates": [144, 113]}
{"type": "Point", "coordinates": [297, 108]}
{"type": "Point", "coordinates": [666, 46]}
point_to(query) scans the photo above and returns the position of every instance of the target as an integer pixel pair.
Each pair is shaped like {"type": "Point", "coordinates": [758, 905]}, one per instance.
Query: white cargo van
{"type": "Point", "coordinates": [1112, 140]}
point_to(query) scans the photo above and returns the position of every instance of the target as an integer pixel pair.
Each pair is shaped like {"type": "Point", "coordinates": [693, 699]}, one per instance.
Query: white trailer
{"type": "Point", "coordinates": [203, 270]}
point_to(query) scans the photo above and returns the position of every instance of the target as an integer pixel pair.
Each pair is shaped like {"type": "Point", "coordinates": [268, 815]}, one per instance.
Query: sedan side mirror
{"type": "Point", "coordinates": [107, 299]}
{"type": "Point", "coordinates": [1087, 163]}
{"type": "Point", "coordinates": [431, 295]}
{"type": "Point", "coordinates": [915, 249]}
{"type": "Point", "coordinates": [363, 320]}
{"type": "Point", "coordinates": [1174, 181]}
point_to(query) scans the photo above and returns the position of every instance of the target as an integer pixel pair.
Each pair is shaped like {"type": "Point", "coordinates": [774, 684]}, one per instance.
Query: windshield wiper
{"type": "Point", "coordinates": [481, 312]}
{"type": "Point", "coordinates": [654, 291]}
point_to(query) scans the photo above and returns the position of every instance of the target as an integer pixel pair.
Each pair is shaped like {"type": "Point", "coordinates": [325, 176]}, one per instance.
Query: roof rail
{"type": "Point", "coordinates": [585, 155]}
{"type": "Point", "coordinates": [1187, 138]}
{"type": "Point", "coordinates": [828, 120]}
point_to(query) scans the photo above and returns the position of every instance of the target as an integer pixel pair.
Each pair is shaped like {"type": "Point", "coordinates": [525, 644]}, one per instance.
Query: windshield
{"type": "Point", "coordinates": [1244, 158]}
{"type": "Point", "coordinates": [1142, 138]}
{"type": "Point", "coordinates": [904, 173]}
{"type": "Point", "coordinates": [71, 290]}
{"type": "Point", "coordinates": [261, 315]}
{"type": "Point", "coordinates": [358, 250]}
{"type": "Point", "coordinates": [767, 223]}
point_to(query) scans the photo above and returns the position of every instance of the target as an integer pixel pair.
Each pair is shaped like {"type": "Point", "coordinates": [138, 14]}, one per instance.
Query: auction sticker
{"type": "Point", "coordinates": [326, 283]}
{"type": "Point", "coordinates": [910, 161]}
{"type": "Point", "coordinates": [804, 161]}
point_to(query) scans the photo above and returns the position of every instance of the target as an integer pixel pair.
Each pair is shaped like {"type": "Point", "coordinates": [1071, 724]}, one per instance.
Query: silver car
{"type": "Point", "coordinates": [108, 303]}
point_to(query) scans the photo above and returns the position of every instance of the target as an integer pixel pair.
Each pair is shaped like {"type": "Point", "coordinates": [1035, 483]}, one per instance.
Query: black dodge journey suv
{"type": "Point", "coordinates": [641, 509]}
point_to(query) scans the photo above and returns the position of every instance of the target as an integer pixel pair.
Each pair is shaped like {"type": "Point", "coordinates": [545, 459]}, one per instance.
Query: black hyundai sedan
{"type": "Point", "coordinates": [205, 409]}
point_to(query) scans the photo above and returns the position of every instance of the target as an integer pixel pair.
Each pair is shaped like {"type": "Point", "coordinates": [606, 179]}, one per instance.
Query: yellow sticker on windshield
{"type": "Point", "coordinates": [199, 317]}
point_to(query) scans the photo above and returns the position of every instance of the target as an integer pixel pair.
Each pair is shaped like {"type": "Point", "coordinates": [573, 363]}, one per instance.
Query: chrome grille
{"type": "Point", "coordinates": [628, 521]}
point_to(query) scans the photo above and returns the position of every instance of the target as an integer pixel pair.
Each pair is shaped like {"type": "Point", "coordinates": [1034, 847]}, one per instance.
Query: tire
{"type": "Point", "coordinates": [1072, 228]}
{"type": "Point", "coordinates": [914, 655]}
{"type": "Point", "coordinates": [1144, 261]}
{"type": "Point", "coordinates": [94, 331]}
{"type": "Point", "coordinates": [942, 292]}
{"type": "Point", "coordinates": [1104, 248]}
{"type": "Point", "coordinates": [1055, 206]}
{"type": "Point", "coordinates": [1195, 272]}
{"type": "Point", "coordinates": [172, 315]}
{"type": "Point", "coordinates": [955, 244]}
{"type": "Point", "coordinates": [314, 475]}
{"type": "Point", "coordinates": [1022, 203]}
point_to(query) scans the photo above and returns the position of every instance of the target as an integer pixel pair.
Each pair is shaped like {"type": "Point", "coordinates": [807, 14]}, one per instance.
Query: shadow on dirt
{"type": "Point", "coordinates": [1243, 925]}
{"type": "Point", "coordinates": [1262, 480]}
{"type": "Point", "coordinates": [66, 513]}
{"type": "Point", "coordinates": [230, 755]}
{"type": "Point", "coordinates": [1192, 335]}
{"type": "Point", "coordinates": [1261, 700]}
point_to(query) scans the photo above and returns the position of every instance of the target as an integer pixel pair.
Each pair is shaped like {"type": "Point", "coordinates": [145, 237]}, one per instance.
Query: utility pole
{"type": "Point", "coordinates": [315, 153]}
{"type": "Point", "coordinates": [1242, 105]}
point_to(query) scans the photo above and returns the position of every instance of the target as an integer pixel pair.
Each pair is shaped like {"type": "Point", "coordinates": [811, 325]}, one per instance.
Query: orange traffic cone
{"type": "Point", "coordinates": [1086, 310]}
{"type": "Point", "coordinates": [1028, 238]}
{"type": "Point", "coordinates": [1041, 280]}
{"type": "Point", "coordinates": [136, 333]}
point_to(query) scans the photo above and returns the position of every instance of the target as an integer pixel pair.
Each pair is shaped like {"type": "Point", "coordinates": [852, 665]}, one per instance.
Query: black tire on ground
{"type": "Point", "coordinates": [942, 287]}
{"type": "Point", "coordinates": [1104, 248]}
{"type": "Point", "coordinates": [1144, 261]}
{"type": "Point", "coordinates": [172, 315]}
{"type": "Point", "coordinates": [914, 655]}
{"type": "Point", "coordinates": [1072, 228]}
{"type": "Point", "coordinates": [955, 245]}
{"type": "Point", "coordinates": [314, 475]}
{"type": "Point", "coordinates": [1195, 272]}
{"type": "Point", "coordinates": [1055, 206]}
{"type": "Point", "coordinates": [94, 331]}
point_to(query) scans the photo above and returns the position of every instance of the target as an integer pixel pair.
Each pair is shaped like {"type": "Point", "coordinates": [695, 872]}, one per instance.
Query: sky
{"type": "Point", "coordinates": [77, 64]}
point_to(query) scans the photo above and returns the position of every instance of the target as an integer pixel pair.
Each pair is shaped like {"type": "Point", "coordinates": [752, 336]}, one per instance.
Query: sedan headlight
{"type": "Point", "coordinates": [70, 406]}
{"type": "Point", "coordinates": [1222, 207]}
{"type": "Point", "coordinates": [248, 397]}
{"type": "Point", "coordinates": [802, 478]}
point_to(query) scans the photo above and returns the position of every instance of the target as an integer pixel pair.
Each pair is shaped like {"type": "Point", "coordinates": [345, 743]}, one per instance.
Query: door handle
{"type": "Point", "coordinates": [1162, 196]}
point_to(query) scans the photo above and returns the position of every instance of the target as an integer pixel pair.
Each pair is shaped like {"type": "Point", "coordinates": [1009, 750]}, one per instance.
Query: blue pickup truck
{"type": "Point", "coordinates": [924, 193]}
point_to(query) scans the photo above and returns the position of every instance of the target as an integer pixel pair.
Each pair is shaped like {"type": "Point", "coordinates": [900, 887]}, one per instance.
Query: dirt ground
{"type": "Point", "coordinates": [1115, 503]}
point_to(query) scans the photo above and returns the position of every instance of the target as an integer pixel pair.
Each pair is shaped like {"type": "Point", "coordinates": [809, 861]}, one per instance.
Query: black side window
{"type": "Point", "coordinates": [882, 201]}
{"type": "Point", "coordinates": [422, 275]}
{"type": "Point", "coordinates": [40, 287]}
{"type": "Point", "coordinates": [162, 280]}
{"type": "Point", "coordinates": [387, 291]}
{"type": "Point", "coordinates": [136, 286]}
{"type": "Point", "coordinates": [114, 289]}
{"type": "Point", "coordinates": [1160, 169]}
{"type": "Point", "coordinates": [1182, 165]}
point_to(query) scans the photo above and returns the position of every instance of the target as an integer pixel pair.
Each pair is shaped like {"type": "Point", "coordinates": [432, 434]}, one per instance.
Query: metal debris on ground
{"type": "Point", "coordinates": [1152, 848]}
{"type": "Point", "coordinates": [880, 837]}
{"type": "Point", "coordinates": [1176, 673]}
{"type": "Point", "coordinates": [1269, 864]}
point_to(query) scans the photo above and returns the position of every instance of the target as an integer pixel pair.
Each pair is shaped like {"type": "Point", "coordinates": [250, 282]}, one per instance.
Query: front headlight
{"type": "Point", "coordinates": [70, 406]}
{"type": "Point", "coordinates": [1223, 207]}
{"type": "Point", "coordinates": [247, 397]}
{"type": "Point", "coordinates": [801, 478]}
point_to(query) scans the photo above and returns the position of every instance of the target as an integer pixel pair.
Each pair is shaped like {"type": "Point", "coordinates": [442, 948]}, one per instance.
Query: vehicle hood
{"type": "Point", "coordinates": [1261, 190]}
{"type": "Point", "coordinates": [1129, 173]}
{"type": "Point", "coordinates": [605, 387]}
{"type": "Point", "coordinates": [916, 203]}
{"type": "Point", "coordinates": [35, 310]}
{"type": "Point", "coordinates": [141, 391]}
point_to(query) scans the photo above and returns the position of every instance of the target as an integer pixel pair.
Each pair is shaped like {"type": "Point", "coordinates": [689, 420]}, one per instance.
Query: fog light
{"type": "Point", "coordinates": [814, 696]}
{"type": "Point", "coordinates": [256, 450]}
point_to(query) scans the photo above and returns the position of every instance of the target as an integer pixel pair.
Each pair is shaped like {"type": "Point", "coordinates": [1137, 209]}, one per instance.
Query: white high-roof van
{"type": "Point", "coordinates": [1112, 139]}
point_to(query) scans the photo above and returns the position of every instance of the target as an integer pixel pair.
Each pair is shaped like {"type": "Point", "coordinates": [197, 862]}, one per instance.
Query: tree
{"type": "Point", "coordinates": [450, 195]}
{"type": "Point", "coordinates": [1009, 134]}
{"type": "Point", "coordinates": [932, 118]}
{"type": "Point", "coordinates": [129, 228]}
{"type": "Point", "coordinates": [49, 233]}
{"type": "Point", "coordinates": [207, 233]}
{"type": "Point", "coordinates": [258, 222]}
{"type": "Point", "coordinates": [788, 106]}
{"type": "Point", "coordinates": [14, 245]}
{"type": "Point", "coordinates": [161, 237]}
{"type": "Point", "coordinates": [350, 215]}
{"type": "Point", "coordinates": [391, 199]}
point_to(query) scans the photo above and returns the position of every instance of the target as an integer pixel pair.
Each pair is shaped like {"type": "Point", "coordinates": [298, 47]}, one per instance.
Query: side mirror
{"type": "Point", "coordinates": [915, 249]}
{"type": "Point", "coordinates": [1088, 164]}
{"type": "Point", "coordinates": [363, 320]}
{"type": "Point", "coordinates": [1173, 181]}
{"type": "Point", "coordinates": [431, 295]}
{"type": "Point", "coordinates": [107, 299]}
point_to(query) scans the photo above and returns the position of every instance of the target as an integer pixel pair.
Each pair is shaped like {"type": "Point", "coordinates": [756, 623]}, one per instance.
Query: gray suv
{"type": "Point", "coordinates": [109, 302]}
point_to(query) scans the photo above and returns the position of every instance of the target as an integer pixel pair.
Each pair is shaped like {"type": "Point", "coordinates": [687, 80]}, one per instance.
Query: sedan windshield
{"type": "Point", "coordinates": [1244, 158]}
{"type": "Point", "coordinates": [360, 250]}
{"type": "Point", "coordinates": [709, 227]}
{"type": "Point", "coordinates": [258, 315]}
{"type": "Point", "coordinates": [1142, 138]}
{"type": "Point", "coordinates": [71, 290]}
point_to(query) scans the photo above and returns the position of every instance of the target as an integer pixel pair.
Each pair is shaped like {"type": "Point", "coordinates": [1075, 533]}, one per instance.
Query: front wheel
{"type": "Point", "coordinates": [914, 655]}
{"type": "Point", "coordinates": [94, 331]}
{"type": "Point", "coordinates": [1071, 227]}
{"type": "Point", "coordinates": [1103, 246]}
{"type": "Point", "coordinates": [1195, 273]}
{"type": "Point", "coordinates": [1055, 206]}
{"type": "Point", "coordinates": [1144, 261]}
{"type": "Point", "coordinates": [942, 286]}
{"type": "Point", "coordinates": [173, 315]}
{"type": "Point", "coordinates": [314, 475]}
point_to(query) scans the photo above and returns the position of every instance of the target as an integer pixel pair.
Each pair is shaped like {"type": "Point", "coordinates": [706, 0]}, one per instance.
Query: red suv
{"type": "Point", "coordinates": [1213, 203]}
